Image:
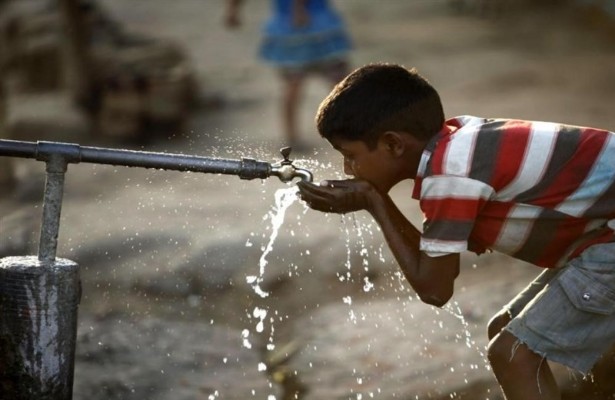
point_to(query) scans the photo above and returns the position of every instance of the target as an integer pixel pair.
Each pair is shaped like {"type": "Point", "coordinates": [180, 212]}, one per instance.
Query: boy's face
{"type": "Point", "coordinates": [376, 166]}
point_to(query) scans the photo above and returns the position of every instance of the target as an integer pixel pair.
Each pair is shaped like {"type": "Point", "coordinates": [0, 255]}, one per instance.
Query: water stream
{"type": "Point", "coordinates": [284, 198]}
{"type": "Point", "coordinates": [357, 238]}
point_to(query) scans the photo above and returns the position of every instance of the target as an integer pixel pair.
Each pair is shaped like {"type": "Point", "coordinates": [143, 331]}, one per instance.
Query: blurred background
{"type": "Point", "coordinates": [168, 311]}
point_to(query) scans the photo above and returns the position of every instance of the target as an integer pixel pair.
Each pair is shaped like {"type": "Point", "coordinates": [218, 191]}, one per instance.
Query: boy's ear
{"type": "Point", "coordinates": [393, 142]}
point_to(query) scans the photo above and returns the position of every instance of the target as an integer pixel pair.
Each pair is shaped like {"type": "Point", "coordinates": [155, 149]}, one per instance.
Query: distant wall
{"type": "Point", "coordinates": [599, 12]}
{"type": "Point", "coordinates": [606, 6]}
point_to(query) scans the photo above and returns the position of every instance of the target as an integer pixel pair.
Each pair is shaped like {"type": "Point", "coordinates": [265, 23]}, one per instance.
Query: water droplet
{"type": "Point", "coordinates": [246, 343]}
{"type": "Point", "coordinates": [367, 286]}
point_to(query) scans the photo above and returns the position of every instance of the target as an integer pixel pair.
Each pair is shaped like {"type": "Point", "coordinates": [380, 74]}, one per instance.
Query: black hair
{"type": "Point", "coordinates": [377, 98]}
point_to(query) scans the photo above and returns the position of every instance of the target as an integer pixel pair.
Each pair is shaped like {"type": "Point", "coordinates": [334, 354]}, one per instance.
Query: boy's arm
{"type": "Point", "coordinates": [431, 277]}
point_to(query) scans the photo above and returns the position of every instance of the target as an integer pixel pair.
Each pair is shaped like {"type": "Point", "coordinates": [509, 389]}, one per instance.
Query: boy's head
{"type": "Point", "coordinates": [377, 98]}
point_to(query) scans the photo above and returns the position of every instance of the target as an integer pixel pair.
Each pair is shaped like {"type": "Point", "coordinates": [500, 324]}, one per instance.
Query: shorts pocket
{"type": "Point", "coordinates": [576, 311]}
{"type": "Point", "coordinates": [586, 293]}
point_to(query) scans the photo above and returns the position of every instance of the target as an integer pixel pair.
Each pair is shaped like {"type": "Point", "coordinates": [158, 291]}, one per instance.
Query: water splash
{"type": "Point", "coordinates": [453, 308]}
{"type": "Point", "coordinates": [351, 225]}
{"type": "Point", "coordinates": [284, 198]}
{"type": "Point", "coordinates": [358, 235]}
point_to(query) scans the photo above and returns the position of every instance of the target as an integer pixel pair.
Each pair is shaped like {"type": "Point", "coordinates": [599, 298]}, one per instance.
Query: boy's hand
{"type": "Point", "coordinates": [337, 196]}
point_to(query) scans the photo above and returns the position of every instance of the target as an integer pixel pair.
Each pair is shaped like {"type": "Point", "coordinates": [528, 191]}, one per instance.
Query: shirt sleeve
{"type": "Point", "coordinates": [450, 205]}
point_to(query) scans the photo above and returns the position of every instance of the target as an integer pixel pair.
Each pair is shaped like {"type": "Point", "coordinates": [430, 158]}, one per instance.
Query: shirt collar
{"type": "Point", "coordinates": [431, 145]}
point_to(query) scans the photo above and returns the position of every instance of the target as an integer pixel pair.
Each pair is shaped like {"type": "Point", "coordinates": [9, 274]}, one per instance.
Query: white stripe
{"type": "Point", "coordinates": [469, 120]}
{"type": "Point", "coordinates": [518, 225]}
{"type": "Point", "coordinates": [437, 187]}
{"type": "Point", "coordinates": [459, 151]}
{"type": "Point", "coordinates": [435, 247]}
{"type": "Point", "coordinates": [423, 164]}
{"type": "Point", "coordinates": [595, 184]}
{"type": "Point", "coordinates": [596, 224]}
{"type": "Point", "coordinates": [535, 160]}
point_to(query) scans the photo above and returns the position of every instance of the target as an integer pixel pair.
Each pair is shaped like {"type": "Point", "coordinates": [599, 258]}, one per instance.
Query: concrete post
{"type": "Point", "coordinates": [38, 328]}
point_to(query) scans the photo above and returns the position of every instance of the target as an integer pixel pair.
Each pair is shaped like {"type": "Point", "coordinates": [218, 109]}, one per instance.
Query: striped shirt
{"type": "Point", "coordinates": [537, 191]}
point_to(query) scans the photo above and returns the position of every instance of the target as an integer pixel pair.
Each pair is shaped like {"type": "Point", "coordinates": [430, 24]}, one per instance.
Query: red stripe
{"type": "Point", "coordinates": [416, 189]}
{"type": "Point", "coordinates": [437, 157]}
{"type": "Point", "coordinates": [572, 174]}
{"type": "Point", "coordinates": [514, 140]}
{"type": "Point", "coordinates": [568, 231]}
{"type": "Point", "coordinates": [490, 222]}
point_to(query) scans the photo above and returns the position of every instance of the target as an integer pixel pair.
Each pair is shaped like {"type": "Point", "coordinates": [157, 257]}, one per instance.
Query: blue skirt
{"type": "Point", "coordinates": [322, 39]}
{"type": "Point", "coordinates": [304, 50]}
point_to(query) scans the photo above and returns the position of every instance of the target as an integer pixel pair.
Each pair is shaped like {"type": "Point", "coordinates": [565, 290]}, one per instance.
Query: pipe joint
{"type": "Point", "coordinates": [57, 153]}
{"type": "Point", "coordinates": [252, 169]}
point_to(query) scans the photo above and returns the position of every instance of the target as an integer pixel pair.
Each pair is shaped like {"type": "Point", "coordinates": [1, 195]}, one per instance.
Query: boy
{"type": "Point", "coordinates": [540, 192]}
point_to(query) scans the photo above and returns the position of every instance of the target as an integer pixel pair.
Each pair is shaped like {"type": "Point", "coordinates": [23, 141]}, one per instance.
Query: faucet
{"type": "Point", "coordinates": [286, 171]}
{"type": "Point", "coordinates": [65, 153]}
{"type": "Point", "coordinates": [57, 156]}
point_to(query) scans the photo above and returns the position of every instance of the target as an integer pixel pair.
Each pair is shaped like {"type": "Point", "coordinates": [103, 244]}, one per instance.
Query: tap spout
{"type": "Point", "coordinates": [286, 171]}
{"type": "Point", "coordinates": [304, 175]}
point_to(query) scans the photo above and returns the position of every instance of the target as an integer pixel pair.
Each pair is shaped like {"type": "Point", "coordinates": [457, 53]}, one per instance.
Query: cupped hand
{"type": "Point", "coordinates": [339, 196]}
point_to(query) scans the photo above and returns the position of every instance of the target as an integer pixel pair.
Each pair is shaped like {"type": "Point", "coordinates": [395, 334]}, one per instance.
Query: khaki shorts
{"type": "Point", "coordinates": [568, 315]}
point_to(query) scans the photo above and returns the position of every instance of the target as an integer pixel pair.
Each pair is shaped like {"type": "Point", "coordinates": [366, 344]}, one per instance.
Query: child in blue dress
{"type": "Point", "coordinates": [300, 38]}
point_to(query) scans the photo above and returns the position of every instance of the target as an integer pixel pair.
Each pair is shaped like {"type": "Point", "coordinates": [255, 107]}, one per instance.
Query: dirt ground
{"type": "Point", "coordinates": [134, 232]}
{"type": "Point", "coordinates": [533, 63]}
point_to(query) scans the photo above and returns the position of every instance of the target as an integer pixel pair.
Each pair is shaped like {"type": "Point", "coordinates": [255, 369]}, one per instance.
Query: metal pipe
{"type": "Point", "coordinates": [245, 168]}
{"type": "Point", "coordinates": [176, 162]}
{"type": "Point", "coordinates": [15, 148]}
{"type": "Point", "coordinates": [52, 208]}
